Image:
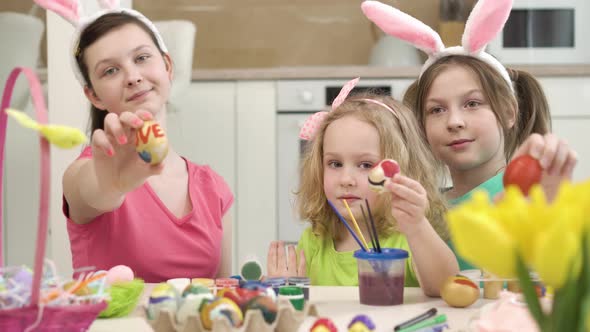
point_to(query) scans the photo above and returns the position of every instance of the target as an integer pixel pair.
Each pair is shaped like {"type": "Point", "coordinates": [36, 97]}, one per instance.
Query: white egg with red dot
{"type": "Point", "coordinates": [384, 170]}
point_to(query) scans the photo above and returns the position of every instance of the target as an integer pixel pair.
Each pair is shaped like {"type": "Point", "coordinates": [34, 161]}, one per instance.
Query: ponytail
{"type": "Point", "coordinates": [533, 109]}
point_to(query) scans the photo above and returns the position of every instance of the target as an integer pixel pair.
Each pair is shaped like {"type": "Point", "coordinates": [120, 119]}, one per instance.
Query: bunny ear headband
{"type": "Point", "coordinates": [485, 21]}
{"type": "Point", "coordinates": [71, 11]}
{"type": "Point", "coordinates": [314, 122]}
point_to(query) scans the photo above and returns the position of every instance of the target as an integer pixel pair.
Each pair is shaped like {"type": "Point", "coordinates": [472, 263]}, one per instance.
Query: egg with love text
{"type": "Point", "coordinates": [151, 143]}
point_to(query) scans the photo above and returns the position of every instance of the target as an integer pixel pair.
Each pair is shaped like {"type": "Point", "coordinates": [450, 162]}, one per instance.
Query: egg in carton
{"type": "Point", "coordinates": [288, 319]}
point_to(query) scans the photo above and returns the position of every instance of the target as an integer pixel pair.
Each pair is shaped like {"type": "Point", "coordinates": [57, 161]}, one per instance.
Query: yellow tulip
{"type": "Point", "coordinates": [482, 241]}
{"type": "Point", "coordinates": [556, 251]}
{"type": "Point", "coordinates": [514, 215]}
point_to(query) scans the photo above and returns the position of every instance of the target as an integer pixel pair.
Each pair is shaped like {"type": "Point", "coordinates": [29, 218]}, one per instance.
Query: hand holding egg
{"type": "Point", "coordinates": [523, 171]}
{"type": "Point", "coordinates": [384, 170]}
{"type": "Point", "coordinates": [151, 143]}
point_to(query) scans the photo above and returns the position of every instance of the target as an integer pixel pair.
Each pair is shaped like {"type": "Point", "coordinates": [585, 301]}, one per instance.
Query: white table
{"type": "Point", "coordinates": [340, 304]}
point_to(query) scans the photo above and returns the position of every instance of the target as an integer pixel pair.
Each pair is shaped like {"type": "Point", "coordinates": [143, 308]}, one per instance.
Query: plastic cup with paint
{"type": "Point", "coordinates": [381, 276]}
{"type": "Point", "coordinates": [251, 270]}
{"type": "Point", "coordinates": [275, 283]}
{"type": "Point", "coordinates": [230, 283]}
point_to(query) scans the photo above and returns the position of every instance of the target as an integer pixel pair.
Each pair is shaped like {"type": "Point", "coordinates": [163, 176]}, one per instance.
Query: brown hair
{"type": "Point", "coordinates": [91, 34]}
{"type": "Point", "coordinates": [528, 102]}
{"type": "Point", "coordinates": [400, 139]}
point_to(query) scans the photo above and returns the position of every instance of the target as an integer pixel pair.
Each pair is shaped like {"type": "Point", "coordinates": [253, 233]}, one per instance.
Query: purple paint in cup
{"type": "Point", "coordinates": [381, 276]}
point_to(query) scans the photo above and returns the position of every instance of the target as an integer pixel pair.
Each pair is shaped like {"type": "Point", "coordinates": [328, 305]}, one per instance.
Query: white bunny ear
{"type": "Point", "coordinates": [403, 26]}
{"type": "Point", "coordinates": [68, 9]}
{"type": "Point", "coordinates": [485, 21]}
{"type": "Point", "coordinates": [108, 4]}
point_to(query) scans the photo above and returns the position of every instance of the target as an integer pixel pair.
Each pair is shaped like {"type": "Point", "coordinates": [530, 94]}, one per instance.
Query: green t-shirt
{"type": "Point", "coordinates": [492, 186]}
{"type": "Point", "coordinates": [328, 267]}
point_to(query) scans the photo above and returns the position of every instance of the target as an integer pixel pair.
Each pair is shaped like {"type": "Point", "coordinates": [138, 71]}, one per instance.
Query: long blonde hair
{"type": "Point", "coordinates": [400, 139]}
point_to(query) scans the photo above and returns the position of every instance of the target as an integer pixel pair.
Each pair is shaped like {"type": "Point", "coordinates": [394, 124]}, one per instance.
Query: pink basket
{"type": "Point", "coordinates": [35, 317]}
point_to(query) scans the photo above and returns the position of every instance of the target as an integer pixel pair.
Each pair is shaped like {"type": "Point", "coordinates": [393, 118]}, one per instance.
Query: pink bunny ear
{"type": "Point", "coordinates": [403, 26]}
{"type": "Point", "coordinates": [311, 125]}
{"type": "Point", "coordinates": [108, 4]}
{"type": "Point", "coordinates": [485, 22]}
{"type": "Point", "coordinates": [68, 9]}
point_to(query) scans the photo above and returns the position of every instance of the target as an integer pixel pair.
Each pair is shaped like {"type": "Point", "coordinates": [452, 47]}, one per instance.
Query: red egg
{"type": "Point", "coordinates": [524, 172]}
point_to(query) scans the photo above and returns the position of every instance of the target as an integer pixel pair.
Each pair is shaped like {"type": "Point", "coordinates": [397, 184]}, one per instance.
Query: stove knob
{"type": "Point", "coordinates": [306, 97]}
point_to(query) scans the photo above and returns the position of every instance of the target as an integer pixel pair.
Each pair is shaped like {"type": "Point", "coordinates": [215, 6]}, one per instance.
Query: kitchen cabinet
{"type": "Point", "coordinates": [256, 171]}
{"type": "Point", "coordinates": [568, 99]}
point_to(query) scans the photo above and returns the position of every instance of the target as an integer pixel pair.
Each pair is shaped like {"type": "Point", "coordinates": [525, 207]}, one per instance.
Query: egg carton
{"type": "Point", "coordinates": [288, 320]}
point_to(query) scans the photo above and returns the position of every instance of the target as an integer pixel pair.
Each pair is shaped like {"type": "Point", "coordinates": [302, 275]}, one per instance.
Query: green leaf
{"type": "Point", "coordinates": [530, 295]}
{"type": "Point", "coordinates": [584, 282]}
{"type": "Point", "coordinates": [568, 305]}
{"type": "Point", "coordinates": [564, 316]}
{"type": "Point", "coordinates": [585, 314]}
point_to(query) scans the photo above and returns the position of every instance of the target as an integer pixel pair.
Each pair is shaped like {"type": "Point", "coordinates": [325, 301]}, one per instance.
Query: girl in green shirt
{"type": "Point", "coordinates": [345, 144]}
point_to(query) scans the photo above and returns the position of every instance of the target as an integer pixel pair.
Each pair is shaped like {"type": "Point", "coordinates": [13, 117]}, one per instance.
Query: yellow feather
{"type": "Point", "coordinates": [63, 136]}
{"type": "Point", "coordinates": [59, 135]}
{"type": "Point", "coordinates": [23, 119]}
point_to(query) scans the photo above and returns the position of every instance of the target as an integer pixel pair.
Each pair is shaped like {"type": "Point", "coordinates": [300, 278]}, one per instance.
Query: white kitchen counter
{"type": "Point", "coordinates": [346, 72]}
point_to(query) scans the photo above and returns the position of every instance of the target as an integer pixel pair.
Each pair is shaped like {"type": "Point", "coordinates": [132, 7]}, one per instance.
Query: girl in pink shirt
{"type": "Point", "coordinates": [166, 220]}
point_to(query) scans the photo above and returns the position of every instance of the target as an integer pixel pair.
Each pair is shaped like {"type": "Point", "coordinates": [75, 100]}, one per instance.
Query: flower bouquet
{"type": "Point", "coordinates": [518, 235]}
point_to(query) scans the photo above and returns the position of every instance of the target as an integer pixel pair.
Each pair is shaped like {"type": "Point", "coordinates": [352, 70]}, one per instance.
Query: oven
{"type": "Point", "coordinates": [544, 32]}
{"type": "Point", "coordinates": [297, 100]}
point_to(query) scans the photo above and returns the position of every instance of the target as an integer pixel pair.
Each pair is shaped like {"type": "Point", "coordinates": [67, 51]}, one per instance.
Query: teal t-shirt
{"type": "Point", "coordinates": [328, 267]}
{"type": "Point", "coordinates": [492, 186]}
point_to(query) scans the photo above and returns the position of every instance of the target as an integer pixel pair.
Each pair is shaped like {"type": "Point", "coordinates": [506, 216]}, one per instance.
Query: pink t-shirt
{"type": "Point", "coordinates": [144, 235]}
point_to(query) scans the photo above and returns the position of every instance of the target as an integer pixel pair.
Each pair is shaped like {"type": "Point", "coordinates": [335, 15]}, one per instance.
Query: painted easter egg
{"type": "Point", "coordinates": [191, 303]}
{"type": "Point", "coordinates": [523, 171]}
{"type": "Point", "coordinates": [163, 297]}
{"type": "Point", "coordinates": [323, 324]}
{"type": "Point", "coordinates": [266, 305]}
{"type": "Point", "coordinates": [361, 323]}
{"type": "Point", "coordinates": [151, 143]}
{"type": "Point", "coordinates": [195, 289]}
{"type": "Point", "coordinates": [459, 291]}
{"type": "Point", "coordinates": [222, 307]}
{"type": "Point", "coordinates": [385, 169]}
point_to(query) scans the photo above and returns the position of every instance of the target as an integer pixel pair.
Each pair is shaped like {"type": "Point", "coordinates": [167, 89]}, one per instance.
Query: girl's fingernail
{"type": "Point", "coordinates": [122, 139]}
{"type": "Point", "coordinates": [110, 152]}
{"type": "Point", "coordinates": [137, 122]}
{"type": "Point", "coordinates": [148, 116]}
